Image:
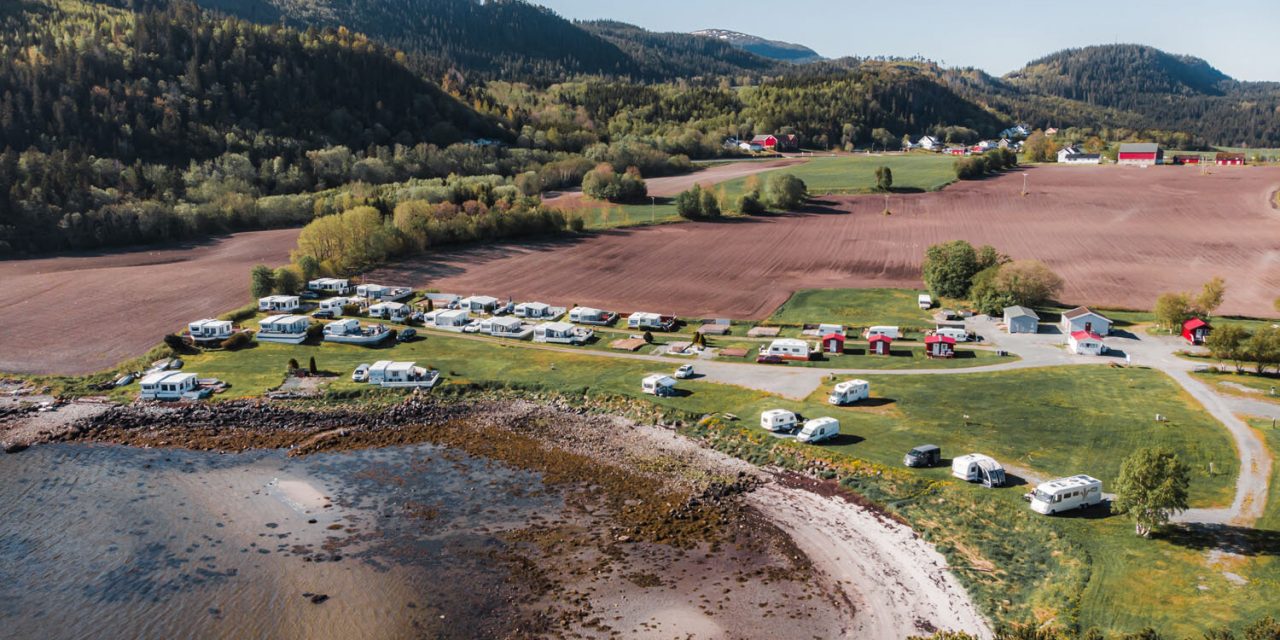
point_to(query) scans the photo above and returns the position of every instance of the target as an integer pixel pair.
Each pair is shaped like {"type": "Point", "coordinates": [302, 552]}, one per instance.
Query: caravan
{"type": "Point", "coordinates": [658, 385]}
{"type": "Point", "coordinates": [849, 392]}
{"type": "Point", "coordinates": [889, 332]}
{"type": "Point", "coordinates": [778, 420]}
{"type": "Point", "coordinates": [976, 467]}
{"type": "Point", "coordinates": [819, 429]}
{"type": "Point", "coordinates": [958, 334]}
{"type": "Point", "coordinates": [925, 301]}
{"type": "Point", "coordinates": [1064, 494]}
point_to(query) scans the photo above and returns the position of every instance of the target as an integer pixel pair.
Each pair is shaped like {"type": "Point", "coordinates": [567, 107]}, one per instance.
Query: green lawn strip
{"type": "Point", "coordinates": [855, 308]}
{"type": "Point", "coordinates": [902, 358]}
{"type": "Point", "coordinates": [1262, 384]}
{"type": "Point", "coordinates": [853, 174]}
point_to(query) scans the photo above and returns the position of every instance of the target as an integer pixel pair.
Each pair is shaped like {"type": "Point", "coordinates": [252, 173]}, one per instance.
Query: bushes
{"type": "Point", "coordinates": [784, 192]}
{"type": "Point", "coordinates": [240, 315]}
{"type": "Point", "coordinates": [603, 183]}
{"type": "Point", "coordinates": [697, 204]}
{"type": "Point", "coordinates": [976, 167]}
{"type": "Point", "coordinates": [237, 341]}
{"type": "Point", "coordinates": [262, 281]}
{"type": "Point", "coordinates": [175, 342]}
{"type": "Point", "coordinates": [884, 178]}
{"type": "Point", "coordinates": [750, 204]}
{"type": "Point", "coordinates": [352, 310]}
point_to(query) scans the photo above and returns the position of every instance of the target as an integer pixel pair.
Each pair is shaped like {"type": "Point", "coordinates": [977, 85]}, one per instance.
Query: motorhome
{"type": "Point", "coordinates": [588, 315]}
{"type": "Point", "coordinates": [787, 349]}
{"type": "Point", "coordinates": [925, 301]}
{"type": "Point", "coordinates": [888, 332]}
{"type": "Point", "coordinates": [283, 328]}
{"type": "Point", "coordinates": [561, 333]}
{"type": "Point", "coordinates": [385, 373]}
{"type": "Point", "coordinates": [818, 429]}
{"type": "Point", "coordinates": [350, 331]}
{"type": "Point", "coordinates": [658, 385]}
{"type": "Point", "coordinates": [849, 392]}
{"type": "Point", "coordinates": [652, 321]}
{"type": "Point", "coordinates": [170, 385]}
{"type": "Point", "coordinates": [279, 304]}
{"type": "Point", "coordinates": [1065, 494]}
{"type": "Point", "coordinates": [976, 467]}
{"type": "Point", "coordinates": [210, 330]}
{"type": "Point", "coordinates": [778, 420]}
{"type": "Point", "coordinates": [925, 455]}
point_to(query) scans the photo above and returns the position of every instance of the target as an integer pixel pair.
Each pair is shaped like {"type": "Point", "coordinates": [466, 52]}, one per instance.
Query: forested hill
{"type": "Point", "coordinates": [772, 49]}
{"type": "Point", "coordinates": [1120, 75]}
{"type": "Point", "coordinates": [175, 84]}
{"type": "Point", "coordinates": [680, 55]}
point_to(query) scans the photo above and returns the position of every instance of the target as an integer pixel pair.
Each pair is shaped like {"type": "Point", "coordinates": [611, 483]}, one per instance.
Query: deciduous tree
{"type": "Point", "coordinates": [262, 281]}
{"type": "Point", "coordinates": [1151, 488]}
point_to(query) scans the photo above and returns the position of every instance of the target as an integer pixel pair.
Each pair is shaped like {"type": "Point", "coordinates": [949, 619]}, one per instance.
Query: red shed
{"type": "Point", "coordinates": [1140, 153]}
{"type": "Point", "coordinates": [936, 346]}
{"type": "Point", "coordinates": [833, 343]}
{"type": "Point", "coordinates": [1224, 158]}
{"type": "Point", "coordinates": [879, 344]}
{"type": "Point", "coordinates": [766, 141]}
{"type": "Point", "coordinates": [1196, 330]}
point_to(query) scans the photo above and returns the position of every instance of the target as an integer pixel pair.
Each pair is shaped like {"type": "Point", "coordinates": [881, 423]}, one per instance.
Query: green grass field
{"type": "Point", "coordinates": [1263, 385]}
{"type": "Point", "coordinates": [850, 174]}
{"type": "Point", "coordinates": [853, 308]}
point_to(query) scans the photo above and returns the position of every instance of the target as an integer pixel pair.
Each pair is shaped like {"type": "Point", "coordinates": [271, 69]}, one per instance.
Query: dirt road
{"type": "Point", "coordinates": [83, 313]}
{"type": "Point", "coordinates": [1119, 236]}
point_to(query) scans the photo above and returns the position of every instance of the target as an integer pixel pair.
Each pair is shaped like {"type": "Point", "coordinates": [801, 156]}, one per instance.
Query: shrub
{"type": "Point", "coordinates": [315, 333]}
{"type": "Point", "coordinates": [751, 205]}
{"type": "Point", "coordinates": [236, 341]}
{"type": "Point", "coordinates": [293, 364]}
{"type": "Point", "coordinates": [352, 310]}
{"type": "Point", "coordinates": [262, 281]}
{"type": "Point", "coordinates": [784, 191]}
{"type": "Point", "coordinates": [175, 342]}
{"type": "Point", "coordinates": [884, 178]}
{"type": "Point", "coordinates": [603, 183]}
{"type": "Point", "coordinates": [243, 313]}
{"type": "Point", "coordinates": [311, 366]}
{"type": "Point", "coordinates": [697, 203]}
{"type": "Point", "coordinates": [577, 224]}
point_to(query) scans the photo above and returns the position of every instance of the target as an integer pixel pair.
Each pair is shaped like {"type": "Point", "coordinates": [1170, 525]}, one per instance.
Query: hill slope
{"type": "Point", "coordinates": [772, 49]}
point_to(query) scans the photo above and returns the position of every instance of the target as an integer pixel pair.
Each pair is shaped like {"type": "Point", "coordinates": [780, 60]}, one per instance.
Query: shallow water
{"type": "Point", "coordinates": [104, 542]}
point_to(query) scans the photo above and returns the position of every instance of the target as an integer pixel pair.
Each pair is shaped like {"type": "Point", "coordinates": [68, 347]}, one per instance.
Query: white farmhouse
{"type": "Point", "coordinates": [1084, 319]}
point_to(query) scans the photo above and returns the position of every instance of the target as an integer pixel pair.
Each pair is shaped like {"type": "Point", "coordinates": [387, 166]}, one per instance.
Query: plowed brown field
{"type": "Point", "coordinates": [83, 313]}
{"type": "Point", "coordinates": [1119, 236]}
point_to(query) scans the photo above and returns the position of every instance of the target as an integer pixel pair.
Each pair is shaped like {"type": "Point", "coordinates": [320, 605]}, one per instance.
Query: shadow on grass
{"type": "Point", "coordinates": [1226, 538]}
{"type": "Point", "coordinates": [842, 439]}
{"type": "Point", "coordinates": [1100, 511]}
{"type": "Point", "coordinates": [873, 402]}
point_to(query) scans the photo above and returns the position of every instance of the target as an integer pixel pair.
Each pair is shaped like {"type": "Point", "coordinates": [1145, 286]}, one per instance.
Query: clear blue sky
{"type": "Point", "coordinates": [1240, 37]}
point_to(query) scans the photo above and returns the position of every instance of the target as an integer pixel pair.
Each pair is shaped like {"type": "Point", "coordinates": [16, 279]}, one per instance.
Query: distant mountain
{"type": "Point", "coordinates": [679, 55]}
{"type": "Point", "coordinates": [1116, 75]}
{"type": "Point", "coordinates": [772, 49]}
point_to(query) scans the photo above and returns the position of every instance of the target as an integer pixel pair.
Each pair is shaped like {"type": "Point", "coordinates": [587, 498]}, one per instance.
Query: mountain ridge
{"type": "Point", "coordinates": [772, 49]}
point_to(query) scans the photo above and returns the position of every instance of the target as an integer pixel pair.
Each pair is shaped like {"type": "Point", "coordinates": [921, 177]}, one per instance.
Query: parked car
{"type": "Point", "coordinates": [925, 455]}
{"type": "Point", "coordinates": [309, 295]}
{"type": "Point", "coordinates": [770, 360]}
{"type": "Point", "coordinates": [406, 334]}
{"type": "Point", "coordinates": [684, 372]}
{"type": "Point", "coordinates": [323, 313]}
{"type": "Point", "coordinates": [361, 374]}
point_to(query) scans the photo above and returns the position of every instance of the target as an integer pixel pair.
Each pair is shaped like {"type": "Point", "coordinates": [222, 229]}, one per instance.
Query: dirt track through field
{"type": "Point", "coordinates": [83, 313]}
{"type": "Point", "coordinates": [1119, 236]}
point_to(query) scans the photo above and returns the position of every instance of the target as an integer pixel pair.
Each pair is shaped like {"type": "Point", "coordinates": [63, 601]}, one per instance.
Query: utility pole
{"type": "Point", "coordinates": [653, 209]}
{"type": "Point", "coordinates": [1024, 184]}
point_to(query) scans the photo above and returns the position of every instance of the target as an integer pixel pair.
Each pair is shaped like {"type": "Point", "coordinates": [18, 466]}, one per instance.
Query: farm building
{"type": "Point", "coordinates": [1140, 154]}
{"type": "Point", "coordinates": [1021, 320]}
{"type": "Point", "coordinates": [1223, 158]}
{"type": "Point", "coordinates": [283, 304]}
{"type": "Point", "coordinates": [929, 143]}
{"type": "Point", "coordinates": [210, 330]}
{"type": "Point", "coordinates": [332, 286]}
{"type": "Point", "coordinates": [1196, 330]}
{"type": "Point", "coordinates": [1185, 159]}
{"type": "Point", "coordinates": [765, 141]}
{"type": "Point", "coordinates": [168, 385]}
{"type": "Point", "coordinates": [1074, 155]}
{"type": "Point", "coordinates": [479, 304]}
{"type": "Point", "coordinates": [787, 349]}
{"type": "Point", "coordinates": [283, 328]}
{"type": "Point", "coordinates": [833, 343]}
{"type": "Point", "coordinates": [1086, 343]}
{"type": "Point", "coordinates": [1082, 319]}
{"type": "Point", "coordinates": [936, 346]}
{"type": "Point", "coordinates": [879, 344]}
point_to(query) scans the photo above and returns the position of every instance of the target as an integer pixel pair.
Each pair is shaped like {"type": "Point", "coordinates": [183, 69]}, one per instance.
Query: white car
{"type": "Point", "coordinates": [684, 372]}
{"type": "Point", "coordinates": [361, 374]}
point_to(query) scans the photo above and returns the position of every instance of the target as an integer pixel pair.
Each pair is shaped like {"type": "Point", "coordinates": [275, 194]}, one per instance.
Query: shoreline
{"type": "Point", "coordinates": [671, 506]}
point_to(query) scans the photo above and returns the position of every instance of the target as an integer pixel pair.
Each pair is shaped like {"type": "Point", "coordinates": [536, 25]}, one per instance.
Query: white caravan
{"type": "Point", "coordinates": [778, 420]}
{"type": "Point", "coordinates": [888, 332]}
{"type": "Point", "coordinates": [658, 385]}
{"type": "Point", "coordinates": [976, 467]}
{"type": "Point", "coordinates": [925, 301]}
{"type": "Point", "coordinates": [819, 429]}
{"type": "Point", "coordinates": [849, 392]}
{"type": "Point", "coordinates": [169, 385]}
{"type": "Point", "coordinates": [955, 333]}
{"type": "Point", "coordinates": [1064, 494]}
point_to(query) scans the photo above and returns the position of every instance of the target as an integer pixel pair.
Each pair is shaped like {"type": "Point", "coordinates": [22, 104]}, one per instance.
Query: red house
{"type": "Point", "coordinates": [833, 343]}
{"type": "Point", "coordinates": [1229, 159]}
{"type": "Point", "coordinates": [1140, 153]}
{"type": "Point", "coordinates": [767, 141]}
{"type": "Point", "coordinates": [788, 142]}
{"type": "Point", "coordinates": [1196, 330]}
{"type": "Point", "coordinates": [1186, 159]}
{"type": "Point", "coordinates": [879, 345]}
{"type": "Point", "coordinates": [936, 346]}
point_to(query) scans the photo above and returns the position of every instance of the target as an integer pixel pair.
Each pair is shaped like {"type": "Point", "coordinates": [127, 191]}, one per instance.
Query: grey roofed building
{"type": "Point", "coordinates": [1020, 319]}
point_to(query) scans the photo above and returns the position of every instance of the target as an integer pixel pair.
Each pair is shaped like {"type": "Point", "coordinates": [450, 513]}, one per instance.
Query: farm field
{"type": "Point", "coordinates": [855, 173]}
{"type": "Point", "coordinates": [82, 313]}
{"type": "Point", "coordinates": [854, 308]}
{"type": "Point", "coordinates": [1119, 236]}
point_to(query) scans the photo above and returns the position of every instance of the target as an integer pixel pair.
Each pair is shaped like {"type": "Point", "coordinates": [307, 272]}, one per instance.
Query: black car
{"type": "Point", "coordinates": [309, 295]}
{"type": "Point", "coordinates": [406, 334]}
{"type": "Point", "coordinates": [323, 313]}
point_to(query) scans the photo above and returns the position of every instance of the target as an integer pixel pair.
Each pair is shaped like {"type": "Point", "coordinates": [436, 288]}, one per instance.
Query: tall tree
{"type": "Point", "coordinates": [1151, 488]}
{"type": "Point", "coordinates": [262, 281]}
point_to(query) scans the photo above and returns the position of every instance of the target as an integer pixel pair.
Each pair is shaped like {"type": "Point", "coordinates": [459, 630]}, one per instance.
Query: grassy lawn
{"type": "Point", "coordinates": [854, 308]}
{"type": "Point", "coordinates": [901, 358]}
{"type": "Point", "coordinates": [1263, 385]}
{"type": "Point", "coordinates": [849, 174]}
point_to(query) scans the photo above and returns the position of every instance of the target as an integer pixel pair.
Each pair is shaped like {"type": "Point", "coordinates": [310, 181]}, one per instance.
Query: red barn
{"type": "Point", "coordinates": [1228, 159]}
{"type": "Point", "coordinates": [788, 142]}
{"type": "Point", "coordinates": [767, 141]}
{"type": "Point", "coordinates": [936, 346]}
{"type": "Point", "coordinates": [1186, 159]}
{"type": "Point", "coordinates": [1140, 153]}
{"type": "Point", "coordinates": [1196, 330]}
{"type": "Point", "coordinates": [833, 343]}
{"type": "Point", "coordinates": [879, 344]}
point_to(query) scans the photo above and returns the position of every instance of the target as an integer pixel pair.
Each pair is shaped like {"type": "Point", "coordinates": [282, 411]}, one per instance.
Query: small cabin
{"type": "Point", "coordinates": [1195, 331]}
{"type": "Point", "coordinates": [1086, 343]}
{"type": "Point", "coordinates": [1019, 319]}
{"type": "Point", "coordinates": [879, 345]}
{"type": "Point", "coordinates": [833, 344]}
{"type": "Point", "coordinates": [940, 346]}
{"type": "Point", "coordinates": [1085, 319]}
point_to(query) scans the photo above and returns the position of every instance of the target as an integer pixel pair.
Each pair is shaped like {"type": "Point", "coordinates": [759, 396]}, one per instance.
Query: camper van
{"type": "Point", "coordinates": [925, 455]}
{"type": "Point", "coordinates": [849, 392]}
{"type": "Point", "coordinates": [955, 333]}
{"type": "Point", "coordinates": [778, 420]}
{"type": "Point", "coordinates": [890, 332]}
{"type": "Point", "coordinates": [925, 301]}
{"type": "Point", "coordinates": [976, 467]}
{"type": "Point", "coordinates": [658, 385]}
{"type": "Point", "coordinates": [819, 429]}
{"type": "Point", "coordinates": [1065, 494]}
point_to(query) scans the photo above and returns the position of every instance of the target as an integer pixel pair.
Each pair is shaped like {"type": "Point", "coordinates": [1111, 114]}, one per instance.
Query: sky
{"type": "Point", "coordinates": [1239, 37]}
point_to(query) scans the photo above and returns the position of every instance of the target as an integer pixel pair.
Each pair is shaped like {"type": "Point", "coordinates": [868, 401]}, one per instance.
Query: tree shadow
{"type": "Point", "coordinates": [1223, 537]}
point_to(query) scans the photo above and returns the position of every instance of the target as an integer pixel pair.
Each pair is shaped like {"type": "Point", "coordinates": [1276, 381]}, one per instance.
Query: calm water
{"type": "Point", "coordinates": [113, 542]}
